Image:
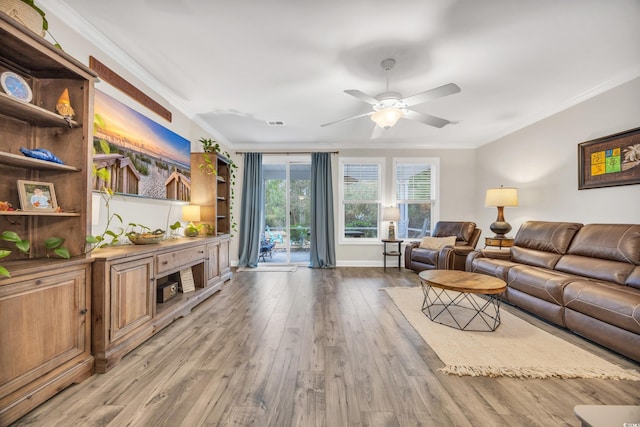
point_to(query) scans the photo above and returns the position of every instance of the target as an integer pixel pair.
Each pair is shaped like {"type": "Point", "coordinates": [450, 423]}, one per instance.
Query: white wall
{"type": "Point", "coordinates": [542, 161]}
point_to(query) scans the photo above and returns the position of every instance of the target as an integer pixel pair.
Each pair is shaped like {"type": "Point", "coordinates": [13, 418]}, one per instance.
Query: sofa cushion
{"type": "Point", "coordinates": [546, 236]}
{"type": "Point", "coordinates": [607, 252]}
{"type": "Point", "coordinates": [617, 242]}
{"type": "Point", "coordinates": [462, 230]}
{"type": "Point", "coordinates": [542, 243]}
{"type": "Point", "coordinates": [600, 269]}
{"type": "Point", "coordinates": [436, 243]}
{"type": "Point", "coordinates": [610, 303]}
{"type": "Point", "coordinates": [542, 283]}
{"type": "Point", "coordinates": [534, 257]}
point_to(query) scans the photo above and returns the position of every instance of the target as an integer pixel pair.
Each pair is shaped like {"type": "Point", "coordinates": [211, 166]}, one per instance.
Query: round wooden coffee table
{"type": "Point", "coordinates": [462, 300]}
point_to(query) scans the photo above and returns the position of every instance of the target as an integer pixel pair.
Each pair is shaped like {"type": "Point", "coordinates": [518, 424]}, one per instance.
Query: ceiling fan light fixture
{"type": "Point", "coordinates": [387, 117]}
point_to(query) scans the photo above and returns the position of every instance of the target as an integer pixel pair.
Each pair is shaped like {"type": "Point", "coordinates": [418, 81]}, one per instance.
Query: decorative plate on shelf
{"type": "Point", "coordinates": [16, 86]}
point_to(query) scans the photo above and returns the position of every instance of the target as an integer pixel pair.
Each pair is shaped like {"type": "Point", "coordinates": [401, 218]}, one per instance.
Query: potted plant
{"type": "Point", "coordinates": [27, 13]}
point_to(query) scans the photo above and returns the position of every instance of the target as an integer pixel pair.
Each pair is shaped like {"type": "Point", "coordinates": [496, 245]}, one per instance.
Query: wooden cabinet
{"type": "Point", "coordinates": [45, 334]}
{"type": "Point", "coordinates": [125, 309]}
{"type": "Point", "coordinates": [212, 192]}
{"type": "Point", "coordinates": [45, 304]}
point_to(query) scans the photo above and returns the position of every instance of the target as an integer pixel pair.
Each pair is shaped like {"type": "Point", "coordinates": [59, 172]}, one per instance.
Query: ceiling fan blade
{"type": "Point", "coordinates": [377, 132]}
{"type": "Point", "coordinates": [439, 92]}
{"type": "Point", "coordinates": [426, 119]}
{"type": "Point", "coordinates": [362, 96]}
{"type": "Point", "coordinates": [350, 118]}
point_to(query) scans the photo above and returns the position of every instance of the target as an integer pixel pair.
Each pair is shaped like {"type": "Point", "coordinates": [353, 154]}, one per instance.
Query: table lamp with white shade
{"type": "Point", "coordinates": [391, 213]}
{"type": "Point", "coordinates": [191, 213]}
{"type": "Point", "coordinates": [501, 197]}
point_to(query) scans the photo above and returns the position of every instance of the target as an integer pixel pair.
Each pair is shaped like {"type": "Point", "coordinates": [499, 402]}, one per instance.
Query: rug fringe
{"type": "Point", "coordinates": [537, 372]}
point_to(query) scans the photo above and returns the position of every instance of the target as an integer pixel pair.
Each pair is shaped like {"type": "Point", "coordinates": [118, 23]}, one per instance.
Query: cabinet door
{"type": "Point", "coordinates": [132, 296]}
{"type": "Point", "coordinates": [213, 270]}
{"type": "Point", "coordinates": [43, 324]}
{"type": "Point", "coordinates": [223, 257]}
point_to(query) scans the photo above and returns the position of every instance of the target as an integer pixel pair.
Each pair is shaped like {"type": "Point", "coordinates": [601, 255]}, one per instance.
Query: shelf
{"type": "Point", "coordinates": [32, 113]}
{"type": "Point", "coordinates": [31, 163]}
{"type": "Point", "coordinates": [29, 213]}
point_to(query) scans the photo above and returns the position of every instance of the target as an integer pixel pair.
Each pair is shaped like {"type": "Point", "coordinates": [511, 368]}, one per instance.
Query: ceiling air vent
{"type": "Point", "coordinates": [275, 123]}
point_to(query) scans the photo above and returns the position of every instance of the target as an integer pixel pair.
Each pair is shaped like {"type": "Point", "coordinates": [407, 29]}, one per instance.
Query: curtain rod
{"type": "Point", "coordinates": [281, 153]}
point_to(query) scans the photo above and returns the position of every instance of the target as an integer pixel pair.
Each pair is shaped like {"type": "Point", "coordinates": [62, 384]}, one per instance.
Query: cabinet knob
{"type": "Point", "coordinates": [83, 311]}
{"type": "Point", "coordinates": [165, 262]}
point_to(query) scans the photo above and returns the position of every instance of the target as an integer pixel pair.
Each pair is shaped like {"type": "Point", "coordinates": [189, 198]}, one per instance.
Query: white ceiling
{"type": "Point", "coordinates": [233, 65]}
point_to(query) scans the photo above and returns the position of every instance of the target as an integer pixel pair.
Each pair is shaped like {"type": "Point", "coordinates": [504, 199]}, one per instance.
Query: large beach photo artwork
{"type": "Point", "coordinates": [143, 157]}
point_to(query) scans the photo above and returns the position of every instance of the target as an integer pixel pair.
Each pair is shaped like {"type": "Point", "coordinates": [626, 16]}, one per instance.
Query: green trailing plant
{"type": "Point", "coordinates": [52, 245]}
{"type": "Point", "coordinates": [112, 233]}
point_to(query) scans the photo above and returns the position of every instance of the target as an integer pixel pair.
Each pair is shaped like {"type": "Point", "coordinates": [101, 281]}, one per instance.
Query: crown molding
{"type": "Point", "coordinates": [77, 23]}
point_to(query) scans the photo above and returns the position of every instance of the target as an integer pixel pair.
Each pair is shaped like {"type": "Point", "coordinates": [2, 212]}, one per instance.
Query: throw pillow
{"type": "Point", "coordinates": [437, 242]}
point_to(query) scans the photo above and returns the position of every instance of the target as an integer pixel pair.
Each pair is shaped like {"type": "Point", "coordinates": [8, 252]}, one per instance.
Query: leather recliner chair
{"type": "Point", "coordinates": [447, 257]}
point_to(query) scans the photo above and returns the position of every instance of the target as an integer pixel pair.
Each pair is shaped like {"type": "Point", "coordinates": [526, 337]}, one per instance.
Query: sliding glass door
{"type": "Point", "coordinates": [287, 181]}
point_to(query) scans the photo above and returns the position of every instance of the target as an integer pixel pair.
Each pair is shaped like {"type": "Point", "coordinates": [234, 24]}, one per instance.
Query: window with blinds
{"type": "Point", "coordinates": [414, 186]}
{"type": "Point", "coordinates": [360, 193]}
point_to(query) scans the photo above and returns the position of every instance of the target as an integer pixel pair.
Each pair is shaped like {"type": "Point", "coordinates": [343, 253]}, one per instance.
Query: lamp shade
{"type": "Point", "coordinates": [191, 213]}
{"type": "Point", "coordinates": [391, 214]}
{"type": "Point", "coordinates": [387, 117]}
{"type": "Point", "coordinates": [501, 197]}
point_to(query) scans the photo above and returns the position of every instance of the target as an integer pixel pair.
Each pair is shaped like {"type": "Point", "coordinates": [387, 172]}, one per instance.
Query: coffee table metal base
{"type": "Point", "coordinates": [460, 309]}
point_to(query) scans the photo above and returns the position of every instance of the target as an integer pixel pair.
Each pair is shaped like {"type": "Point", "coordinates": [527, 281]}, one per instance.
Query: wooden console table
{"type": "Point", "coordinates": [125, 279]}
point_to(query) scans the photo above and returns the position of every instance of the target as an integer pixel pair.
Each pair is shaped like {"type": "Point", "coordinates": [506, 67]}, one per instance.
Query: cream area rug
{"type": "Point", "coordinates": [515, 349]}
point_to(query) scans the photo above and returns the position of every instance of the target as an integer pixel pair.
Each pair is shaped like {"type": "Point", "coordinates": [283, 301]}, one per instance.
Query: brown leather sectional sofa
{"type": "Point", "coordinates": [585, 278]}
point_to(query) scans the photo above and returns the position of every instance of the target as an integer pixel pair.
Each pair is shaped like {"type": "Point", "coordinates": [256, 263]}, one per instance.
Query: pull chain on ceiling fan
{"type": "Point", "coordinates": [389, 107]}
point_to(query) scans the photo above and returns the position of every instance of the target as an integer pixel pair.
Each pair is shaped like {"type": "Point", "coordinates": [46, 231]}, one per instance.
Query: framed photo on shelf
{"type": "Point", "coordinates": [37, 196]}
{"type": "Point", "coordinates": [610, 161]}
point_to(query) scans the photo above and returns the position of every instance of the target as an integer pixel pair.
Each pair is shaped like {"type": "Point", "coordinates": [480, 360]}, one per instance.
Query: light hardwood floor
{"type": "Point", "coordinates": [313, 348]}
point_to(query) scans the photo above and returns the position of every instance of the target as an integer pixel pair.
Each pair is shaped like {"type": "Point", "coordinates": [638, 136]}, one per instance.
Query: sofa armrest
{"type": "Point", "coordinates": [496, 254]}
{"type": "Point", "coordinates": [407, 253]}
{"type": "Point", "coordinates": [462, 250]}
{"type": "Point", "coordinates": [486, 253]}
{"type": "Point", "coordinates": [453, 257]}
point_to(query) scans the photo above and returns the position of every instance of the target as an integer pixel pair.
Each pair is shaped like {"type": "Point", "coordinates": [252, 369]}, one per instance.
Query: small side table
{"type": "Point", "coordinates": [386, 252]}
{"type": "Point", "coordinates": [506, 242]}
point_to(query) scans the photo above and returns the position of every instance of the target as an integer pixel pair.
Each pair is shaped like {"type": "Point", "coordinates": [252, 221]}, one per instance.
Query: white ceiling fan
{"type": "Point", "coordinates": [389, 107]}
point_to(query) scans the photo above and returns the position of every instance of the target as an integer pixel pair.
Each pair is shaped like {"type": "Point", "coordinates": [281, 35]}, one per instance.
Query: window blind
{"type": "Point", "coordinates": [413, 182]}
{"type": "Point", "coordinates": [361, 181]}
